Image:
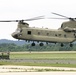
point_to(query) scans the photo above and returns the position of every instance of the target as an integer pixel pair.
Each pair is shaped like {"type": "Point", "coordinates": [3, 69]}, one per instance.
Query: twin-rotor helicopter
{"type": "Point", "coordinates": [65, 34]}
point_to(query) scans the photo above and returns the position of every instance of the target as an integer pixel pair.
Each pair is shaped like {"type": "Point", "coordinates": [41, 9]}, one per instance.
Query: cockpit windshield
{"type": "Point", "coordinates": [18, 30]}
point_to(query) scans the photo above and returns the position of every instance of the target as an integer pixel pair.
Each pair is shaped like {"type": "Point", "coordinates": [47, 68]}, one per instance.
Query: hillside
{"type": "Point", "coordinates": [12, 41]}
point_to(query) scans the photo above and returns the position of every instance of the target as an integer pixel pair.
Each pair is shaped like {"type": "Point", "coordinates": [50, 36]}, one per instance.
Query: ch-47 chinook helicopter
{"type": "Point", "coordinates": [65, 34]}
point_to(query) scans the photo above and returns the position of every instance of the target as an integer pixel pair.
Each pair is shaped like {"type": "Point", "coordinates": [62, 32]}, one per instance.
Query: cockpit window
{"type": "Point", "coordinates": [62, 26]}
{"type": "Point", "coordinates": [18, 30]}
{"type": "Point", "coordinates": [21, 30]}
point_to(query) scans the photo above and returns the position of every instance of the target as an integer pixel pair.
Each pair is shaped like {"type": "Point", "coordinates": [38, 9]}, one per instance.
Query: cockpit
{"type": "Point", "coordinates": [18, 30]}
{"type": "Point", "coordinates": [69, 26]}
{"type": "Point", "coordinates": [23, 24]}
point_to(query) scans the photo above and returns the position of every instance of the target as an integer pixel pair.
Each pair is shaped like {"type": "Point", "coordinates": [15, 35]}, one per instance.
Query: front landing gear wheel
{"type": "Point", "coordinates": [41, 44]}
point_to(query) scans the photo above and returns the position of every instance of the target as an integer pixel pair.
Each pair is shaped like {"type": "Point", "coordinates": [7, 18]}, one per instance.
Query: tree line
{"type": "Point", "coordinates": [27, 47]}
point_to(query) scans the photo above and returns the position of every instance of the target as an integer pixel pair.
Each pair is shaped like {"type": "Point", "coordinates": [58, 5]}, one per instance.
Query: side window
{"type": "Point", "coordinates": [29, 32]}
{"type": "Point", "coordinates": [55, 34]}
{"type": "Point", "coordinates": [59, 34]}
{"type": "Point", "coordinates": [38, 33]}
{"type": "Point", "coordinates": [47, 34]}
{"type": "Point", "coordinates": [65, 35]}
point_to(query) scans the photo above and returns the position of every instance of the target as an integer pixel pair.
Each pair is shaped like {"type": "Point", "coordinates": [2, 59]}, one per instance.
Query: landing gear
{"type": "Point", "coordinates": [62, 44]}
{"type": "Point", "coordinates": [41, 44]}
{"type": "Point", "coordinates": [33, 44]}
{"type": "Point", "coordinates": [71, 45]}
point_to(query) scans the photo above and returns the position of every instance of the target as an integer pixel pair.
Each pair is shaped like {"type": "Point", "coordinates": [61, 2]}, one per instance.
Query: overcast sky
{"type": "Point", "coordinates": [24, 9]}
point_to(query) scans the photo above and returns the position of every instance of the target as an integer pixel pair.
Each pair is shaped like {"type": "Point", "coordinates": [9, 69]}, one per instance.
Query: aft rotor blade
{"type": "Point", "coordinates": [58, 18]}
{"type": "Point", "coordinates": [60, 15]}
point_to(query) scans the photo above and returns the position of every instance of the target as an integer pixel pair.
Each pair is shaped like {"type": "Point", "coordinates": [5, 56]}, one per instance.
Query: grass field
{"type": "Point", "coordinates": [64, 55]}
{"type": "Point", "coordinates": [43, 55]}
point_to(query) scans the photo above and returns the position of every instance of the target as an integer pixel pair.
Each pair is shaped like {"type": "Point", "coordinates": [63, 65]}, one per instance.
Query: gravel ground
{"type": "Point", "coordinates": [60, 61]}
{"type": "Point", "coordinates": [39, 73]}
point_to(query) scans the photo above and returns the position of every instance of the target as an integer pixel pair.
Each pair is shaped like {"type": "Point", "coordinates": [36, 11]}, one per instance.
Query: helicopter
{"type": "Point", "coordinates": [65, 34]}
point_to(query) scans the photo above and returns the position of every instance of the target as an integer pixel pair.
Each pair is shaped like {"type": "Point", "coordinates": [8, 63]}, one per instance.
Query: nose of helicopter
{"type": "Point", "coordinates": [14, 35]}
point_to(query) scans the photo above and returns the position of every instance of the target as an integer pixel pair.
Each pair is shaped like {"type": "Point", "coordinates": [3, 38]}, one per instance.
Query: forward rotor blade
{"type": "Point", "coordinates": [35, 18]}
{"type": "Point", "coordinates": [31, 19]}
{"type": "Point", "coordinates": [9, 20]}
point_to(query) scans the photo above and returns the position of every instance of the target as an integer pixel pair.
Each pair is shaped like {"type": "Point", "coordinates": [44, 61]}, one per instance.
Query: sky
{"type": "Point", "coordinates": [26, 9]}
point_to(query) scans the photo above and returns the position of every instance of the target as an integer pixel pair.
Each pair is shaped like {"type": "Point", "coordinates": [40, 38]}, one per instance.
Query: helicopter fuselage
{"type": "Point", "coordinates": [44, 34]}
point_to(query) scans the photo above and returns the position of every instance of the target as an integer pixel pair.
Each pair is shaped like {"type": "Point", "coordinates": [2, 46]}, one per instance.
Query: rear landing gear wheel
{"type": "Point", "coordinates": [62, 44]}
{"type": "Point", "coordinates": [71, 45]}
{"type": "Point", "coordinates": [33, 44]}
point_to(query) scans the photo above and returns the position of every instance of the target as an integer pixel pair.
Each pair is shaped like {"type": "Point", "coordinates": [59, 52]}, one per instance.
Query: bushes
{"type": "Point", "coordinates": [27, 47]}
